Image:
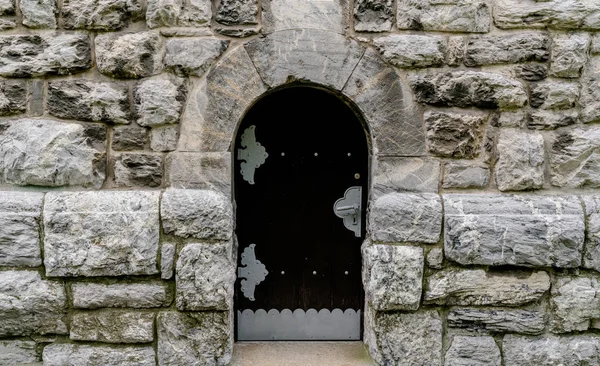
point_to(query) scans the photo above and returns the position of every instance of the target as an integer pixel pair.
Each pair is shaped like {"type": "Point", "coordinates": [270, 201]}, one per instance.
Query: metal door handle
{"type": "Point", "coordinates": [349, 209]}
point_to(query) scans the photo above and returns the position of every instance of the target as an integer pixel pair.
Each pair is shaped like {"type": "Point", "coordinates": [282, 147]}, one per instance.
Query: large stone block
{"type": "Point", "coordinates": [550, 120]}
{"type": "Point", "coordinates": [7, 7]}
{"type": "Point", "coordinates": [138, 170]}
{"type": "Point", "coordinates": [90, 295]}
{"type": "Point", "coordinates": [44, 54]}
{"type": "Point", "coordinates": [168, 13]}
{"type": "Point", "coordinates": [574, 302]}
{"type": "Point", "coordinates": [13, 97]}
{"type": "Point", "coordinates": [406, 217]}
{"type": "Point", "coordinates": [52, 154]}
{"type": "Point", "coordinates": [565, 14]}
{"type": "Point", "coordinates": [205, 275]}
{"type": "Point", "coordinates": [373, 16]}
{"type": "Point", "coordinates": [159, 101]}
{"type": "Point", "coordinates": [112, 326]}
{"type": "Point", "coordinates": [18, 353]}
{"type": "Point", "coordinates": [591, 252]}
{"type": "Point", "coordinates": [101, 233]}
{"type": "Point", "coordinates": [554, 95]}
{"type": "Point", "coordinates": [129, 55]}
{"type": "Point", "coordinates": [455, 135]}
{"type": "Point", "coordinates": [497, 320]}
{"type": "Point", "coordinates": [445, 16]}
{"type": "Point", "coordinates": [129, 137]}
{"type": "Point", "coordinates": [520, 164]}
{"type": "Point", "coordinates": [65, 354]}
{"type": "Point", "coordinates": [570, 53]}
{"type": "Point", "coordinates": [236, 12]}
{"type": "Point", "coordinates": [30, 305]}
{"type": "Point", "coordinates": [476, 287]}
{"type": "Point", "coordinates": [412, 51]}
{"type": "Point", "coordinates": [293, 14]}
{"type": "Point", "coordinates": [20, 215]}
{"type": "Point", "coordinates": [529, 231]}
{"type": "Point", "coordinates": [39, 13]}
{"type": "Point", "coordinates": [395, 174]}
{"type": "Point", "coordinates": [203, 338]}
{"type": "Point", "coordinates": [210, 171]}
{"type": "Point", "coordinates": [465, 175]}
{"type": "Point", "coordinates": [193, 56]}
{"type": "Point", "coordinates": [100, 14]}
{"type": "Point", "coordinates": [473, 351]}
{"type": "Point", "coordinates": [164, 138]}
{"type": "Point", "coordinates": [511, 48]}
{"type": "Point", "coordinates": [532, 71]}
{"type": "Point", "coordinates": [574, 157]}
{"type": "Point", "coordinates": [393, 277]}
{"type": "Point", "coordinates": [590, 91]}
{"type": "Point", "coordinates": [551, 350]}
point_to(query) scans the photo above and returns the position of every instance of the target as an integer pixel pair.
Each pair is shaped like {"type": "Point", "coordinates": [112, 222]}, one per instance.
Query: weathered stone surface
{"type": "Point", "coordinates": [456, 135]}
{"type": "Point", "coordinates": [554, 95]}
{"type": "Point", "coordinates": [473, 351]}
{"type": "Point", "coordinates": [90, 295]}
{"type": "Point", "coordinates": [193, 56]}
{"type": "Point", "coordinates": [178, 12]}
{"type": "Point", "coordinates": [31, 305]}
{"type": "Point", "coordinates": [164, 138]}
{"type": "Point", "coordinates": [591, 252]}
{"type": "Point", "coordinates": [532, 72]}
{"type": "Point", "coordinates": [575, 157]}
{"type": "Point", "coordinates": [520, 163]}
{"type": "Point", "coordinates": [87, 100]}
{"type": "Point", "coordinates": [445, 16]}
{"type": "Point", "coordinates": [393, 277]}
{"type": "Point", "coordinates": [18, 353]}
{"type": "Point", "coordinates": [108, 233]}
{"type": "Point", "coordinates": [406, 217]}
{"type": "Point", "coordinates": [63, 354]}
{"type": "Point", "coordinates": [570, 53]}
{"type": "Point", "coordinates": [112, 326]}
{"type": "Point", "coordinates": [13, 97]}
{"type": "Point", "coordinates": [549, 120]}
{"type": "Point", "coordinates": [511, 48]}
{"type": "Point", "coordinates": [595, 44]}
{"type": "Point", "coordinates": [194, 338]}
{"type": "Point", "coordinates": [130, 137]}
{"type": "Point", "coordinates": [53, 154]}
{"type": "Point", "coordinates": [551, 350]}
{"type": "Point", "coordinates": [435, 258]}
{"type": "Point", "coordinates": [293, 14]}
{"type": "Point", "coordinates": [20, 213]}
{"type": "Point", "coordinates": [510, 119]}
{"type": "Point", "coordinates": [205, 275]}
{"type": "Point", "coordinates": [373, 15]}
{"type": "Point", "coordinates": [234, 12]}
{"type": "Point", "coordinates": [100, 14]}
{"type": "Point", "coordinates": [412, 51]}
{"type": "Point", "coordinates": [469, 89]}
{"type": "Point", "coordinates": [590, 91]}
{"type": "Point", "coordinates": [129, 55]}
{"type": "Point", "coordinates": [455, 51]}
{"type": "Point", "coordinates": [167, 260]}
{"type": "Point", "coordinates": [159, 101]}
{"type": "Point", "coordinates": [7, 7]}
{"type": "Point", "coordinates": [210, 171]}
{"type": "Point", "coordinates": [6, 24]}
{"type": "Point", "coordinates": [239, 32]}
{"type": "Point", "coordinates": [476, 287]}
{"type": "Point", "coordinates": [497, 320]}
{"type": "Point", "coordinates": [393, 174]}
{"type": "Point", "coordinates": [567, 14]}
{"type": "Point", "coordinates": [494, 229]}
{"type": "Point", "coordinates": [395, 338]}
{"type": "Point", "coordinates": [45, 54]}
{"type": "Point", "coordinates": [39, 13]}
{"type": "Point", "coordinates": [573, 302]}
{"type": "Point", "coordinates": [465, 175]}
{"type": "Point", "coordinates": [138, 170]}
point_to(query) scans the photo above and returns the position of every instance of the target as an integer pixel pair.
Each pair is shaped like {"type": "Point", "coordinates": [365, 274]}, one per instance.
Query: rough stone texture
{"type": "Point", "coordinates": [129, 55]}
{"type": "Point", "coordinates": [239, 32]}
{"type": "Point", "coordinates": [100, 14]}
{"type": "Point", "coordinates": [89, 295]}
{"type": "Point", "coordinates": [510, 119]}
{"type": "Point", "coordinates": [205, 275]}
{"type": "Point", "coordinates": [575, 157]}
{"type": "Point", "coordinates": [169, 13]}
{"type": "Point", "coordinates": [574, 301]}
{"type": "Point", "coordinates": [554, 95]}
{"type": "Point", "coordinates": [193, 56]}
{"type": "Point", "coordinates": [591, 252]}
{"type": "Point", "coordinates": [455, 51]}
{"type": "Point", "coordinates": [567, 14]}
{"type": "Point", "coordinates": [62, 354]}
{"type": "Point", "coordinates": [235, 12]}
{"type": "Point", "coordinates": [395, 338]}
{"type": "Point", "coordinates": [293, 14]}
{"type": "Point", "coordinates": [551, 350]}
{"type": "Point", "coordinates": [476, 287]}
{"type": "Point", "coordinates": [204, 338]}
{"type": "Point", "coordinates": [167, 260]}
{"type": "Point", "coordinates": [7, 7]}
{"type": "Point", "coordinates": [393, 174]}
{"type": "Point", "coordinates": [412, 51]}
{"type": "Point", "coordinates": [465, 175]}
{"type": "Point", "coordinates": [570, 53]}
{"type": "Point", "coordinates": [590, 92]}
{"type": "Point", "coordinates": [44, 54]}
{"type": "Point", "coordinates": [18, 352]}
{"type": "Point", "coordinates": [53, 154]}
{"type": "Point", "coordinates": [393, 277]}
{"type": "Point", "coordinates": [127, 138]}
{"type": "Point", "coordinates": [13, 97]}
{"type": "Point", "coordinates": [87, 100]}
{"type": "Point", "coordinates": [373, 15]}
{"type": "Point", "coordinates": [511, 48]}
{"type": "Point", "coordinates": [473, 351]}
{"type": "Point", "coordinates": [491, 229]}
{"type": "Point", "coordinates": [469, 89]}
{"type": "Point", "coordinates": [200, 214]}
{"type": "Point", "coordinates": [549, 120]}
{"type": "Point", "coordinates": [520, 163]}
{"type": "Point", "coordinates": [444, 16]}
{"type": "Point", "coordinates": [595, 44]}
{"type": "Point", "coordinates": [31, 305]}
{"type": "Point", "coordinates": [164, 138]}
{"type": "Point", "coordinates": [406, 217]}
{"type": "Point", "coordinates": [101, 233]}
{"type": "Point", "coordinates": [532, 72]}
{"type": "Point", "coordinates": [210, 171]}
{"type": "Point", "coordinates": [435, 258]}
{"type": "Point", "coordinates": [39, 13]}
{"type": "Point", "coordinates": [113, 326]}
{"type": "Point", "coordinates": [20, 215]}
{"type": "Point", "coordinates": [159, 101]}
{"type": "Point", "coordinates": [497, 320]}
{"type": "Point", "coordinates": [456, 135]}
{"type": "Point", "coordinates": [138, 170]}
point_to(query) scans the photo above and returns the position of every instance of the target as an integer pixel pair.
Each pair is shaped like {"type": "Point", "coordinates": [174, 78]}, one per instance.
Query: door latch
{"type": "Point", "coordinates": [349, 209]}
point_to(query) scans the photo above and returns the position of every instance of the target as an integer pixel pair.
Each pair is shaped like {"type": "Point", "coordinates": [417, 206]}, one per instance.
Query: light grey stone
{"type": "Point", "coordinates": [159, 101]}
{"type": "Point", "coordinates": [435, 258]}
{"type": "Point", "coordinates": [210, 171]}
{"type": "Point", "coordinates": [510, 119]}
{"type": "Point", "coordinates": [167, 260]}
{"type": "Point", "coordinates": [65, 354]}
{"type": "Point", "coordinates": [550, 120]}
{"type": "Point", "coordinates": [39, 13]}
{"type": "Point", "coordinates": [48, 153]}
{"type": "Point", "coordinates": [47, 54]}
{"type": "Point", "coordinates": [469, 89]}
{"type": "Point", "coordinates": [511, 48]}
{"type": "Point", "coordinates": [13, 97]}
{"type": "Point", "coordinates": [473, 351]}
{"type": "Point", "coordinates": [476, 287]}
{"type": "Point", "coordinates": [554, 95]}
{"type": "Point", "coordinates": [31, 305]}
{"type": "Point", "coordinates": [590, 91]}
{"type": "Point", "coordinates": [88, 100]}
{"type": "Point", "coordinates": [18, 353]}
{"type": "Point", "coordinates": [533, 231]}
{"type": "Point", "coordinates": [497, 320]}
{"type": "Point", "coordinates": [570, 53]}
{"type": "Point", "coordinates": [7, 24]}
{"type": "Point", "coordinates": [164, 138]}
{"type": "Point", "coordinates": [412, 51]}
{"type": "Point", "coordinates": [393, 277]}
{"type": "Point", "coordinates": [20, 215]}
{"type": "Point", "coordinates": [456, 135]}
{"type": "Point", "coordinates": [100, 14]}
{"type": "Point", "coordinates": [195, 13]}
{"type": "Point", "coordinates": [170, 13]}
{"type": "Point", "coordinates": [551, 350]}
{"type": "Point", "coordinates": [575, 158]}
{"type": "Point", "coordinates": [112, 326]}
{"type": "Point", "coordinates": [110, 233]}
{"type": "Point", "coordinates": [444, 16]}
{"type": "Point", "coordinates": [520, 164]}
{"type": "Point", "coordinates": [293, 14]}
{"type": "Point", "coordinates": [395, 338]}
{"type": "Point", "coordinates": [532, 71]}
{"type": "Point", "coordinates": [239, 32]}
{"type": "Point", "coordinates": [455, 51]}
{"type": "Point", "coordinates": [193, 56]}
{"type": "Point", "coordinates": [235, 12]}
{"type": "Point", "coordinates": [595, 324]}
{"type": "Point", "coordinates": [205, 275]}
{"type": "Point", "coordinates": [129, 137]}
{"type": "Point", "coordinates": [465, 175]}
{"type": "Point", "coordinates": [406, 217]}
{"type": "Point", "coordinates": [129, 55]}
{"type": "Point", "coordinates": [395, 174]}
{"type": "Point", "coordinates": [7, 7]}
{"type": "Point", "coordinates": [574, 301]}
{"type": "Point", "coordinates": [591, 252]}
{"type": "Point", "coordinates": [595, 44]}
{"type": "Point", "coordinates": [373, 15]}
{"type": "Point", "coordinates": [90, 295]}
{"type": "Point", "coordinates": [566, 14]}
{"type": "Point", "coordinates": [203, 338]}
{"type": "Point", "coordinates": [138, 170]}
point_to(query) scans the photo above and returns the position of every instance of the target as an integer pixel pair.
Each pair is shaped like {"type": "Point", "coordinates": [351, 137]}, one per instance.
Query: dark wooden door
{"type": "Point", "coordinates": [302, 150]}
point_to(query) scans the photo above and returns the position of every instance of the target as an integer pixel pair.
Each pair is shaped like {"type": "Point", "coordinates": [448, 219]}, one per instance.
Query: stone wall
{"type": "Point", "coordinates": [116, 125]}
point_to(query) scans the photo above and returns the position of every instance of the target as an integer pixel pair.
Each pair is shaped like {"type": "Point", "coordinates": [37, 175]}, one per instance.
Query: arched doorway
{"type": "Point", "coordinates": [301, 183]}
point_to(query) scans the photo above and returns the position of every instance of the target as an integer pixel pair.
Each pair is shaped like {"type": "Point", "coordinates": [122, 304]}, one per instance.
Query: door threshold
{"type": "Point", "coordinates": [305, 353]}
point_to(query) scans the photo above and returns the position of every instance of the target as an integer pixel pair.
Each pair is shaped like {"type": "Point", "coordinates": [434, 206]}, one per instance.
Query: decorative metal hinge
{"type": "Point", "coordinates": [253, 273]}
{"type": "Point", "coordinates": [253, 154]}
{"type": "Point", "coordinates": [349, 208]}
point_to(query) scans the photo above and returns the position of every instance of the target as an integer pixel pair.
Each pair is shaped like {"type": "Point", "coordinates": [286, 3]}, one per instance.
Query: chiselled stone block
{"type": "Point", "coordinates": [412, 51]}
{"type": "Point", "coordinates": [113, 326]}
{"type": "Point", "coordinates": [574, 155]}
{"type": "Point", "coordinates": [497, 320]}
{"type": "Point", "coordinates": [512, 48]}
{"type": "Point", "coordinates": [18, 352]}
{"type": "Point", "coordinates": [570, 53]}
{"type": "Point", "coordinates": [551, 350]}
{"type": "Point", "coordinates": [566, 14]}
{"type": "Point", "coordinates": [167, 260]}
{"type": "Point", "coordinates": [20, 215]}
{"type": "Point", "coordinates": [14, 97]}
{"type": "Point", "coordinates": [193, 56]}
{"type": "Point", "coordinates": [7, 7]}
{"type": "Point", "coordinates": [465, 175]}
{"type": "Point", "coordinates": [100, 14]}
{"type": "Point", "coordinates": [591, 256]}
{"type": "Point", "coordinates": [373, 16]}
{"type": "Point", "coordinates": [293, 14]}
{"type": "Point", "coordinates": [473, 351]}
{"type": "Point", "coordinates": [138, 170]}
{"type": "Point", "coordinates": [574, 302]}
{"type": "Point", "coordinates": [445, 16]}
{"type": "Point", "coordinates": [61, 354]}
{"type": "Point", "coordinates": [129, 137]}
{"type": "Point", "coordinates": [90, 295]}
{"type": "Point", "coordinates": [396, 174]}
{"type": "Point", "coordinates": [39, 13]}
{"type": "Point", "coordinates": [129, 55]}
{"type": "Point", "coordinates": [169, 13]}
{"type": "Point", "coordinates": [456, 135]}
{"type": "Point", "coordinates": [590, 91]}
{"type": "Point", "coordinates": [164, 138]}
{"type": "Point", "coordinates": [159, 101]}
{"type": "Point", "coordinates": [210, 171]}
{"type": "Point", "coordinates": [520, 163]}
{"type": "Point", "coordinates": [550, 120]}
{"type": "Point", "coordinates": [236, 12]}
{"type": "Point", "coordinates": [554, 95]}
